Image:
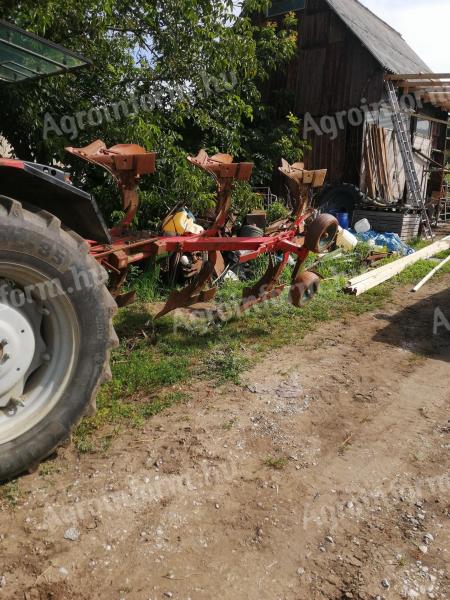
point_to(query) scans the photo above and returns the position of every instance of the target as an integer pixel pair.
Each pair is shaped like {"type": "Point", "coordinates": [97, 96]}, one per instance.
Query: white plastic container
{"type": "Point", "coordinates": [362, 226]}
{"type": "Point", "coordinates": [346, 240]}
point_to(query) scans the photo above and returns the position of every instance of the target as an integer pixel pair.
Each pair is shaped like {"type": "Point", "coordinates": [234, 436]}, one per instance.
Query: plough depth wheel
{"type": "Point", "coordinates": [304, 289]}
{"type": "Point", "coordinates": [321, 233]}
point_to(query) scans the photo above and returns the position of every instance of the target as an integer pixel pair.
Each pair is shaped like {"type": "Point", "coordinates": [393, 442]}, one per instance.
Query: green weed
{"type": "Point", "coordinates": [228, 425]}
{"type": "Point", "coordinates": [277, 463]}
{"type": "Point", "coordinates": [10, 494]}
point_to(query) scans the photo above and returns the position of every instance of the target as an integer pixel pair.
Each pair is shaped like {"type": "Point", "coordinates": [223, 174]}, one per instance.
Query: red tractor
{"type": "Point", "coordinates": [61, 269]}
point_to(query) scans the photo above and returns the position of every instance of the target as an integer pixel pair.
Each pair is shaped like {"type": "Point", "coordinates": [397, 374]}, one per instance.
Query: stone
{"type": "Point", "coordinates": [72, 534]}
{"type": "Point", "coordinates": [385, 583]}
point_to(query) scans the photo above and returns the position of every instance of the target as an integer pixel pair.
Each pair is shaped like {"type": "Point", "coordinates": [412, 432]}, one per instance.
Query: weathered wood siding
{"type": "Point", "coordinates": [334, 70]}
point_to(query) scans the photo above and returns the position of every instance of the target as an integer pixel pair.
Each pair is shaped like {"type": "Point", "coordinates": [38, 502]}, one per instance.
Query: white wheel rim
{"type": "Point", "coordinates": [39, 334]}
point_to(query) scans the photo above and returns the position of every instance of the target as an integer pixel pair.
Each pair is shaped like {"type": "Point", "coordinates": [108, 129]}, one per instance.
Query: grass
{"type": "Point", "coordinates": [228, 425]}
{"type": "Point", "coordinates": [49, 468]}
{"type": "Point", "coordinates": [277, 463]}
{"type": "Point", "coordinates": [10, 495]}
{"type": "Point", "coordinates": [119, 413]}
{"type": "Point", "coordinates": [157, 362]}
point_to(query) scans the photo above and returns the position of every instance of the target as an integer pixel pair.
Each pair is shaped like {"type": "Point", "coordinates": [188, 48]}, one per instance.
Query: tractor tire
{"type": "Point", "coordinates": [56, 335]}
{"type": "Point", "coordinates": [341, 198]}
{"type": "Point", "coordinates": [321, 233]}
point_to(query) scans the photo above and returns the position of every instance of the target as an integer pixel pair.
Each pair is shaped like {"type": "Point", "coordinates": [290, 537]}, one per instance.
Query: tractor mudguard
{"type": "Point", "coordinates": [46, 188]}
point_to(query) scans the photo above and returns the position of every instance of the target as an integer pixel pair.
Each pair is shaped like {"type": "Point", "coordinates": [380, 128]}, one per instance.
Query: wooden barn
{"type": "Point", "coordinates": [337, 84]}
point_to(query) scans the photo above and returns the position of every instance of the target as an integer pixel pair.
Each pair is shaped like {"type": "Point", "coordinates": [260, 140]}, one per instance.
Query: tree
{"type": "Point", "coordinates": [173, 76]}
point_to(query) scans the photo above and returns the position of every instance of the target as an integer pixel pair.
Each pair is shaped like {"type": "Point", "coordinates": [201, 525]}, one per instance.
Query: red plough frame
{"type": "Point", "coordinates": [127, 163]}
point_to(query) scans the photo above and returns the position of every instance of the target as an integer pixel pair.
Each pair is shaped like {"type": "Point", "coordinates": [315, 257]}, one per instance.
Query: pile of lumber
{"type": "Point", "coordinates": [375, 157]}
{"type": "Point", "coordinates": [366, 281]}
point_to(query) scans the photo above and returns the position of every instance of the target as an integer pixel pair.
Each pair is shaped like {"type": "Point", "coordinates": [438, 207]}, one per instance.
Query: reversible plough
{"type": "Point", "coordinates": [298, 235]}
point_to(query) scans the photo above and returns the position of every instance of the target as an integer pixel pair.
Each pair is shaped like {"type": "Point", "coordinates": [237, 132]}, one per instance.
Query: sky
{"type": "Point", "coordinates": [424, 24]}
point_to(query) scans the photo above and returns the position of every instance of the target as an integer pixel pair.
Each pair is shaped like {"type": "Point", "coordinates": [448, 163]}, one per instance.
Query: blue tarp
{"type": "Point", "coordinates": [389, 240]}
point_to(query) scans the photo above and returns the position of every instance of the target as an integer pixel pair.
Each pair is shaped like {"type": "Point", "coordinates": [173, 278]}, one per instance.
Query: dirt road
{"type": "Point", "coordinates": [325, 475]}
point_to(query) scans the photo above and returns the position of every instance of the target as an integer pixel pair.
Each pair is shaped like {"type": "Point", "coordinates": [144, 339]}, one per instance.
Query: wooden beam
{"type": "Point", "coordinates": [427, 118]}
{"type": "Point", "coordinates": [438, 94]}
{"type": "Point", "coordinates": [442, 100]}
{"type": "Point", "coordinates": [369, 280]}
{"type": "Point", "coordinates": [413, 85]}
{"type": "Point", "coordinates": [431, 274]}
{"type": "Point", "coordinates": [412, 76]}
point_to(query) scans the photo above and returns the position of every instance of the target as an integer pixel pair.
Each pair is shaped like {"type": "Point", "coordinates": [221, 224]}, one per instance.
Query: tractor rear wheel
{"type": "Point", "coordinates": [56, 335]}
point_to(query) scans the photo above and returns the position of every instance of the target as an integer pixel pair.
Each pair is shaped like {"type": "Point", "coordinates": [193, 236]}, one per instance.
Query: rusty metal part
{"type": "Point", "coordinates": [126, 250]}
{"type": "Point", "coordinates": [126, 163]}
{"type": "Point", "coordinates": [179, 272]}
{"type": "Point", "coordinates": [321, 233]}
{"type": "Point", "coordinates": [267, 287]}
{"type": "Point", "coordinates": [194, 292]}
{"type": "Point", "coordinates": [125, 299]}
{"type": "Point", "coordinates": [305, 286]}
{"type": "Point", "coordinates": [300, 183]}
{"type": "Point", "coordinates": [225, 173]}
{"type": "Point", "coordinates": [116, 278]}
{"type": "Point", "coordinates": [195, 266]}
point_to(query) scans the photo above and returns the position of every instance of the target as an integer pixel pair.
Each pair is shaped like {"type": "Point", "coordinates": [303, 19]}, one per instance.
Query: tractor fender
{"type": "Point", "coordinates": [47, 188]}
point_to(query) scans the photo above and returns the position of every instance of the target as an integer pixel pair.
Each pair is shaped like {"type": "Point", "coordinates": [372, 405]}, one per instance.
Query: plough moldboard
{"type": "Point", "coordinates": [297, 235]}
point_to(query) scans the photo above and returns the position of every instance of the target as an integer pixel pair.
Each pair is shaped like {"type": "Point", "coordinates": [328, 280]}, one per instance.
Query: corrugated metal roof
{"type": "Point", "coordinates": [383, 42]}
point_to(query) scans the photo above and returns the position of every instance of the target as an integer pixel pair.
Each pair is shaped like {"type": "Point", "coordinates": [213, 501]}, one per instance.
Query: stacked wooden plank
{"type": "Point", "coordinates": [366, 281]}
{"type": "Point", "coordinates": [406, 226]}
{"type": "Point", "coordinates": [378, 179]}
